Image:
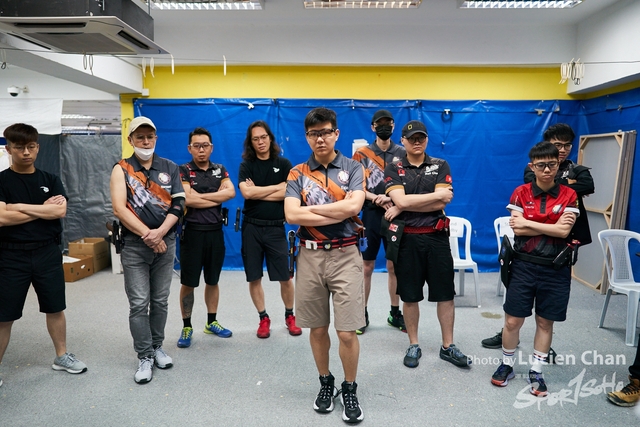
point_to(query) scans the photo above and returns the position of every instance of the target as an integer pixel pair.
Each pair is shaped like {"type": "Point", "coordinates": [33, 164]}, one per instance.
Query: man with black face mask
{"type": "Point", "coordinates": [375, 158]}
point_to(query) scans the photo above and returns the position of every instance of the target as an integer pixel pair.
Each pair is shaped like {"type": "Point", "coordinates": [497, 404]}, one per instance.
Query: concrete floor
{"type": "Point", "coordinates": [246, 381]}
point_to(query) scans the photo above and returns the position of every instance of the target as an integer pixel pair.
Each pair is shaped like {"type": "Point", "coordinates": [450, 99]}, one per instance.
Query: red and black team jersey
{"type": "Point", "coordinates": [545, 207]}
{"type": "Point", "coordinates": [312, 184]}
{"type": "Point", "coordinates": [204, 181]}
{"type": "Point", "coordinates": [423, 179]}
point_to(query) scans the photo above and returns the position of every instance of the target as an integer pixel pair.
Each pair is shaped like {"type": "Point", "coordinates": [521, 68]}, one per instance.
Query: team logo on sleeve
{"type": "Point", "coordinates": [164, 178]}
{"type": "Point", "coordinates": [343, 176]}
{"type": "Point", "coordinates": [448, 179]}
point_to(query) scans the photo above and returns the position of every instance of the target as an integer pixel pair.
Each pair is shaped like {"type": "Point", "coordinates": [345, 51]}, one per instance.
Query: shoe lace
{"type": "Point", "coordinates": [502, 369]}
{"type": "Point", "coordinates": [412, 351]}
{"type": "Point", "coordinates": [456, 352]}
{"type": "Point", "coordinates": [160, 351]}
{"type": "Point", "coordinates": [326, 391]}
{"type": "Point", "coordinates": [350, 399]}
{"type": "Point", "coordinates": [186, 332]}
{"type": "Point", "coordinates": [536, 377]}
{"type": "Point", "coordinates": [146, 363]}
{"type": "Point", "coordinates": [630, 388]}
{"type": "Point", "coordinates": [215, 325]}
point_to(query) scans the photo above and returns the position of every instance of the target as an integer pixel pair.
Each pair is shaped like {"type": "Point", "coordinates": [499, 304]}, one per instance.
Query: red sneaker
{"type": "Point", "coordinates": [264, 330]}
{"type": "Point", "coordinates": [291, 325]}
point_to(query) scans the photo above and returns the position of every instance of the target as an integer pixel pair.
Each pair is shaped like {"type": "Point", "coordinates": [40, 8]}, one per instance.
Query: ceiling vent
{"type": "Point", "coordinates": [81, 34]}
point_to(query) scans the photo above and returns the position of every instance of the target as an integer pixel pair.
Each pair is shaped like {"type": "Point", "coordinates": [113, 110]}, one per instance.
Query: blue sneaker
{"type": "Point", "coordinates": [412, 356]}
{"type": "Point", "coordinates": [185, 338]}
{"type": "Point", "coordinates": [217, 329]}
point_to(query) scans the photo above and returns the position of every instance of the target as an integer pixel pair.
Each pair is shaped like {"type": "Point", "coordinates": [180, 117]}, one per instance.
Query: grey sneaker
{"type": "Point", "coordinates": [162, 360]}
{"type": "Point", "coordinates": [68, 362]}
{"type": "Point", "coordinates": [144, 374]}
{"type": "Point", "coordinates": [455, 356]}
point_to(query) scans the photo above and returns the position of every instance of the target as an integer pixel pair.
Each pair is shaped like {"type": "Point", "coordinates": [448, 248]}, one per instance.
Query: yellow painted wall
{"type": "Point", "coordinates": [397, 83]}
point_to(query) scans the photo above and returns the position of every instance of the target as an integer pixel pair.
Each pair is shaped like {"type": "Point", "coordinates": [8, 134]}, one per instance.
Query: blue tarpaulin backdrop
{"type": "Point", "coordinates": [485, 142]}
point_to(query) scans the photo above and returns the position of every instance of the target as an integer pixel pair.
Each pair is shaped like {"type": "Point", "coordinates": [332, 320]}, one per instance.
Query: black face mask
{"type": "Point", "coordinates": [384, 132]}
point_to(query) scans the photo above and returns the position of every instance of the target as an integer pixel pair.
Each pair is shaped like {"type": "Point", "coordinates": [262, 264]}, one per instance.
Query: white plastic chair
{"type": "Point", "coordinates": [620, 274]}
{"type": "Point", "coordinates": [502, 227]}
{"type": "Point", "coordinates": [460, 228]}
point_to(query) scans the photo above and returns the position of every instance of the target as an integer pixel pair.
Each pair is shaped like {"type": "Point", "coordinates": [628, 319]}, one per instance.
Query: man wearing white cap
{"type": "Point", "coordinates": [148, 199]}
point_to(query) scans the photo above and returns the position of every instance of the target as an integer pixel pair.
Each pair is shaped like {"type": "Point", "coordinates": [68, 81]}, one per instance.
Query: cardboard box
{"type": "Point", "coordinates": [95, 247]}
{"type": "Point", "coordinates": [76, 268]}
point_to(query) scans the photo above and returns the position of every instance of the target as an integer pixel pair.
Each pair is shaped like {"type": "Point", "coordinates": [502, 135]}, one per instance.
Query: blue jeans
{"type": "Point", "coordinates": [147, 282]}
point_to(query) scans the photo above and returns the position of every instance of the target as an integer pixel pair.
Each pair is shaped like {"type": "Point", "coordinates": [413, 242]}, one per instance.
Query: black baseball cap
{"type": "Point", "coordinates": [413, 127]}
{"type": "Point", "coordinates": [381, 114]}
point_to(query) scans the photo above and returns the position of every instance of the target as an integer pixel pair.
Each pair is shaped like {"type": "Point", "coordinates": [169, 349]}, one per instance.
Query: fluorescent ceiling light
{"type": "Point", "coordinates": [362, 4]}
{"type": "Point", "coordinates": [76, 117]}
{"type": "Point", "coordinates": [207, 4]}
{"type": "Point", "coordinates": [518, 4]}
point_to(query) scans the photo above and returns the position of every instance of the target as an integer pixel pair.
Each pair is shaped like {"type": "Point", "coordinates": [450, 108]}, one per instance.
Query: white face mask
{"type": "Point", "coordinates": [143, 154]}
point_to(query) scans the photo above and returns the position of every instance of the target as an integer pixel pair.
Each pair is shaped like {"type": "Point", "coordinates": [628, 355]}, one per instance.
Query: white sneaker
{"type": "Point", "coordinates": [144, 374]}
{"type": "Point", "coordinates": [162, 360]}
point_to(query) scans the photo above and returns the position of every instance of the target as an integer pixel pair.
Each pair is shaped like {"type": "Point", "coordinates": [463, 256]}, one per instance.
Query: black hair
{"type": "Point", "coordinates": [200, 131]}
{"type": "Point", "coordinates": [320, 115]}
{"type": "Point", "coordinates": [20, 134]}
{"type": "Point", "coordinates": [559, 131]}
{"type": "Point", "coordinates": [249, 152]}
{"type": "Point", "coordinates": [543, 150]}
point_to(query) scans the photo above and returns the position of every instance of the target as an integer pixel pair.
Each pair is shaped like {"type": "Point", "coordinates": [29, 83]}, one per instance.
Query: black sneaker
{"type": "Point", "coordinates": [455, 356]}
{"type": "Point", "coordinates": [551, 357]}
{"type": "Point", "coordinates": [351, 412]}
{"type": "Point", "coordinates": [502, 375]}
{"type": "Point", "coordinates": [493, 342]}
{"type": "Point", "coordinates": [413, 354]}
{"type": "Point", "coordinates": [397, 321]}
{"type": "Point", "coordinates": [361, 330]}
{"type": "Point", "coordinates": [328, 392]}
{"type": "Point", "coordinates": [538, 386]}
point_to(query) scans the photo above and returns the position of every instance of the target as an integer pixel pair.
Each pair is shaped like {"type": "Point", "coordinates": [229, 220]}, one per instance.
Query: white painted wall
{"type": "Point", "coordinates": [612, 36]}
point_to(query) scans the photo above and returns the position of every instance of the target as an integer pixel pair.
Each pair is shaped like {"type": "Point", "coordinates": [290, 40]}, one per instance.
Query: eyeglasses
{"type": "Point", "coordinates": [141, 138]}
{"type": "Point", "coordinates": [542, 165]}
{"type": "Point", "coordinates": [418, 138]}
{"type": "Point", "coordinates": [560, 146]}
{"type": "Point", "coordinates": [30, 147]}
{"type": "Point", "coordinates": [322, 133]}
{"type": "Point", "coordinates": [264, 137]}
{"type": "Point", "coordinates": [199, 147]}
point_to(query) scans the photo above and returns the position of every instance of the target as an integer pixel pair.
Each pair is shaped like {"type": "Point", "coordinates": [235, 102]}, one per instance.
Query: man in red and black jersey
{"type": "Point", "coordinates": [420, 186]}
{"type": "Point", "coordinates": [543, 213]}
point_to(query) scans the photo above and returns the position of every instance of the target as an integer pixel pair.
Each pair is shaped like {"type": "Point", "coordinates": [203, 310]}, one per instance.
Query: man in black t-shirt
{"type": "Point", "coordinates": [31, 205]}
{"type": "Point", "coordinates": [262, 182]}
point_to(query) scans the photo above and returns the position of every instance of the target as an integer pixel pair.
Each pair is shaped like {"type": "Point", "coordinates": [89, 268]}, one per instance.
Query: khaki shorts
{"type": "Point", "coordinates": [337, 272]}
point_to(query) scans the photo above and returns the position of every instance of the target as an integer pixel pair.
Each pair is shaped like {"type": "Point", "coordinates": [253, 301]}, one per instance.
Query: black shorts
{"type": "Point", "coordinates": [259, 242]}
{"type": "Point", "coordinates": [19, 269]}
{"type": "Point", "coordinates": [425, 257]}
{"type": "Point", "coordinates": [371, 218]}
{"type": "Point", "coordinates": [200, 249]}
{"type": "Point", "coordinates": [541, 285]}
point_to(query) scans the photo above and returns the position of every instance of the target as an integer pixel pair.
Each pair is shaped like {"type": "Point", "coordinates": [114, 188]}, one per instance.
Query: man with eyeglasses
{"type": "Point", "coordinates": [32, 202]}
{"type": "Point", "coordinates": [543, 213]}
{"type": "Point", "coordinates": [420, 187]}
{"type": "Point", "coordinates": [148, 199]}
{"type": "Point", "coordinates": [262, 182]}
{"type": "Point", "coordinates": [324, 196]}
{"type": "Point", "coordinates": [374, 158]}
{"type": "Point", "coordinates": [576, 177]}
{"type": "Point", "coordinates": [207, 186]}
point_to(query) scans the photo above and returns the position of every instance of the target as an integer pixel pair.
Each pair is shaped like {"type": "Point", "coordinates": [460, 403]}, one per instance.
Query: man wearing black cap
{"type": "Point", "coordinates": [420, 187]}
{"type": "Point", "coordinates": [375, 158]}
{"type": "Point", "coordinates": [148, 199]}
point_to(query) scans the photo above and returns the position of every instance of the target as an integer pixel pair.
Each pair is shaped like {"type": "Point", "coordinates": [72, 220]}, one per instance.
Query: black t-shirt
{"type": "Point", "coordinates": [264, 172]}
{"type": "Point", "coordinates": [34, 189]}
